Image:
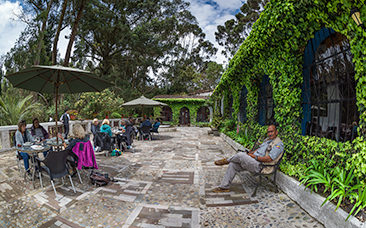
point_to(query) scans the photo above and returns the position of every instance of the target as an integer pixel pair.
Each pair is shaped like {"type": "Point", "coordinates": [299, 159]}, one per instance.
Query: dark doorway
{"type": "Point", "coordinates": [184, 116]}
{"type": "Point", "coordinates": [167, 113]}
{"type": "Point", "coordinates": [202, 114]}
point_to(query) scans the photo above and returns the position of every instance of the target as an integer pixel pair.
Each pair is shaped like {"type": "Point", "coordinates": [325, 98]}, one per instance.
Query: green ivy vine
{"type": "Point", "coordinates": [176, 104]}
{"type": "Point", "coordinates": [275, 47]}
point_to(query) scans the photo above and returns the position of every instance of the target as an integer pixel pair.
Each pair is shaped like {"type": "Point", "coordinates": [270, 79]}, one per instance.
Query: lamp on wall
{"type": "Point", "coordinates": [356, 16]}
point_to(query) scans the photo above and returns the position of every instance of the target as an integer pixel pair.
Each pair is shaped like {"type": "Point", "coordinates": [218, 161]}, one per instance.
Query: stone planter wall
{"type": "Point", "coordinates": [310, 202]}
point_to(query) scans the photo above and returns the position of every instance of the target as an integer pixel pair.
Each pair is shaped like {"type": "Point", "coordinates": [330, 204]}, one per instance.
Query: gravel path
{"type": "Point", "coordinates": [167, 182]}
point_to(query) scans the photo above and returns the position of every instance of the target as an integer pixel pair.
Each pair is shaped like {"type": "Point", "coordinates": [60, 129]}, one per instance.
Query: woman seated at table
{"type": "Point", "coordinates": [122, 126]}
{"type": "Point", "coordinates": [22, 136]}
{"type": "Point", "coordinates": [156, 125]}
{"type": "Point", "coordinates": [38, 131]}
{"type": "Point", "coordinates": [106, 128]}
{"type": "Point", "coordinates": [95, 127]}
{"type": "Point", "coordinates": [79, 135]}
{"type": "Point", "coordinates": [120, 136]}
{"type": "Point", "coordinates": [127, 132]}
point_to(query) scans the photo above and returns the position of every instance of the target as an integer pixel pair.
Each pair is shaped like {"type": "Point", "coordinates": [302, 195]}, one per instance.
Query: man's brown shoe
{"type": "Point", "coordinates": [223, 161]}
{"type": "Point", "coordinates": [220, 190]}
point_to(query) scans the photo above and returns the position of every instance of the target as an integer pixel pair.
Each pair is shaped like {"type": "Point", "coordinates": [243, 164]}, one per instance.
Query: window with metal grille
{"type": "Point", "coordinates": [329, 88]}
{"type": "Point", "coordinates": [265, 102]}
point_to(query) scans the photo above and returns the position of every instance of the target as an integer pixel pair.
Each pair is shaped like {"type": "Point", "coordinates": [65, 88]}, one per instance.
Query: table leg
{"type": "Point", "coordinates": [34, 164]}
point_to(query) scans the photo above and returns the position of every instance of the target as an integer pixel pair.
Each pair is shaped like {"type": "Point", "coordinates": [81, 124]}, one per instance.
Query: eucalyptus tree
{"type": "Point", "coordinates": [232, 34]}
{"type": "Point", "coordinates": [60, 26]}
{"type": "Point", "coordinates": [129, 41]}
{"type": "Point", "coordinates": [79, 6]}
{"type": "Point", "coordinates": [139, 45]}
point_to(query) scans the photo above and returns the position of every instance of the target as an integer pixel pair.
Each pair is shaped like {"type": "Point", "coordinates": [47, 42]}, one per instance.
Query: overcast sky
{"type": "Point", "coordinates": [209, 14]}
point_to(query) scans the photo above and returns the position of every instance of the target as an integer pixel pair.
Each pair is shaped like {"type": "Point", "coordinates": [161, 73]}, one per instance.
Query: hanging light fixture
{"type": "Point", "coordinates": [356, 16]}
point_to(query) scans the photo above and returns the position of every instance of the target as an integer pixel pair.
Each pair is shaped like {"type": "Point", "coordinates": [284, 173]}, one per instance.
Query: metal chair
{"type": "Point", "coordinates": [18, 158]}
{"type": "Point", "coordinates": [56, 167]}
{"type": "Point", "coordinates": [145, 132]}
{"type": "Point", "coordinates": [104, 141]}
{"type": "Point", "coordinates": [72, 161]}
{"type": "Point", "coordinates": [268, 169]}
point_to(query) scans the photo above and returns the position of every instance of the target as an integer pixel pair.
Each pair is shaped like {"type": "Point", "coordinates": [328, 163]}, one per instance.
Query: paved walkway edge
{"type": "Point", "coordinates": [310, 202]}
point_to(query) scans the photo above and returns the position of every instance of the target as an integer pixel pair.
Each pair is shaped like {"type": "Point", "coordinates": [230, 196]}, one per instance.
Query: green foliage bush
{"type": "Point", "coordinates": [216, 122]}
{"type": "Point", "coordinates": [228, 125]}
{"type": "Point", "coordinates": [202, 124]}
{"type": "Point", "coordinates": [17, 104]}
{"type": "Point", "coordinates": [99, 105]}
{"type": "Point", "coordinates": [116, 115]}
{"type": "Point", "coordinates": [339, 184]}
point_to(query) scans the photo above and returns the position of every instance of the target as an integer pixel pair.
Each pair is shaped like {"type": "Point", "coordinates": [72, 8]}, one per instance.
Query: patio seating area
{"type": "Point", "coordinates": [167, 182]}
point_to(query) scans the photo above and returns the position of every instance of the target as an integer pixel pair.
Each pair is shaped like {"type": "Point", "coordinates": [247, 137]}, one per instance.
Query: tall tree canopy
{"type": "Point", "coordinates": [142, 46]}
{"type": "Point", "coordinates": [232, 34]}
{"type": "Point", "coordinates": [139, 43]}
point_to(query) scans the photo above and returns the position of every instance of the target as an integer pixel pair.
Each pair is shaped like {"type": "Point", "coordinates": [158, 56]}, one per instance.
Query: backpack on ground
{"type": "Point", "coordinates": [99, 179]}
{"type": "Point", "coordinates": [116, 152]}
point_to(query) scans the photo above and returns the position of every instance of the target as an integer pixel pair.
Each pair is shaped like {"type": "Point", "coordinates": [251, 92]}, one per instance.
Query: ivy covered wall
{"type": "Point", "coordinates": [275, 47]}
{"type": "Point", "coordinates": [176, 104]}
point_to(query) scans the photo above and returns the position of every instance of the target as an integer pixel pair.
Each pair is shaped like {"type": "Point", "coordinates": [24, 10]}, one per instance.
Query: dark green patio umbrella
{"type": "Point", "coordinates": [143, 102]}
{"type": "Point", "coordinates": [56, 80]}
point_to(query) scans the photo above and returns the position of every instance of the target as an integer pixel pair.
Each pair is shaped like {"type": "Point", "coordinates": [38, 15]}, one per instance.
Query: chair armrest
{"type": "Point", "coordinates": [245, 150]}
{"type": "Point", "coordinates": [268, 165]}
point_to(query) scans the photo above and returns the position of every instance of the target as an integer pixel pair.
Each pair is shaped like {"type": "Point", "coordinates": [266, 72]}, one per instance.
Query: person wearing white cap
{"type": "Point", "coordinates": [95, 126]}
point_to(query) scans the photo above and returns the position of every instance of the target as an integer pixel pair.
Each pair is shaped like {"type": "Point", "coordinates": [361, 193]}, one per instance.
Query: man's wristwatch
{"type": "Point", "coordinates": [256, 157]}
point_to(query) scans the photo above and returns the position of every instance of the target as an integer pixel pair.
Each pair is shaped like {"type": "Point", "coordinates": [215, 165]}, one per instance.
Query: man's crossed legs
{"type": "Point", "coordinates": [239, 162]}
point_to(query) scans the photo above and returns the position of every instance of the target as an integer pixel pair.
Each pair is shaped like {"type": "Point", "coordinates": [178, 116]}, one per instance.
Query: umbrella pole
{"type": "Point", "coordinates": [57, 84]}
{"type": "Point", "coordinates": [56, 100]}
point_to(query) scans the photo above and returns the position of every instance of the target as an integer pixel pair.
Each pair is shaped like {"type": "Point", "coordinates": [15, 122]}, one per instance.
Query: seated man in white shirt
{"type": "Point", "coordinates": [268, 151]}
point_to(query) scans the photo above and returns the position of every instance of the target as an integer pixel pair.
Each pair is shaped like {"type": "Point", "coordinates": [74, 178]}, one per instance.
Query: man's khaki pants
{"type": "Point", "coordinates": [239, 162]}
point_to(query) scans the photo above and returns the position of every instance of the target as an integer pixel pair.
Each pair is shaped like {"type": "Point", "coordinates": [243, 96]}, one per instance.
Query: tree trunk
{"type": "Point", "coordinates": [58, 31]}
{"type": "Point", "coordinates": [73, 33]}
{"type": "Point", "coordinates": [41, 34]}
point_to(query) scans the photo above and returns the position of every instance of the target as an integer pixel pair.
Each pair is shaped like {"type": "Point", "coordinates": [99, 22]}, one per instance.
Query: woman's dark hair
{"type": "Point", "coordinates": [21, 123]}
{"type": "Point", "coordinates": [35, 120]}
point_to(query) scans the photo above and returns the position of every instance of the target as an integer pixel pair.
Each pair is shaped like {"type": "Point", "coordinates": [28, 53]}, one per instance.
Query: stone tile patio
{"type": "Point", "coordinates": [167, 182]}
